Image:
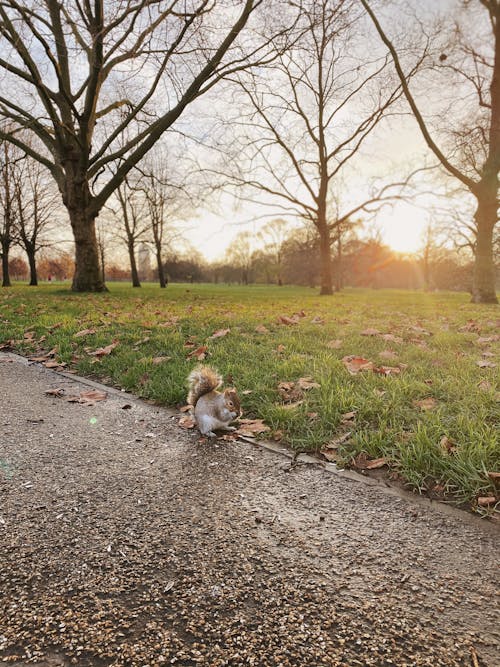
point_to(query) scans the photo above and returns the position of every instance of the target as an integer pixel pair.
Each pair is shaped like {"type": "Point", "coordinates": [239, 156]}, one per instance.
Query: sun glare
{"type": "Point", "coordinates": [403, 228]}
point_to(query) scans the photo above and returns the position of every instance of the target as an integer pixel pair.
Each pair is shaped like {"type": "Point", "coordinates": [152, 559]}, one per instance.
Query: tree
{"type": "Point", "coordinates": [9, 187]}
{"type": "Point", "coordinates": [473, 157]}
{"type": "Point", "coordinates": [274, 234]}
{"type": "Point", "coordinates": [37, 206]}
{"type": "Point", "coordinates": [92, 72]}
{"type": "Point", "coordinates": [310, 111]}
{"type": "Point", "coordinates": [132, 212]}
{"type": "Point", "coordinates": [240, 255]}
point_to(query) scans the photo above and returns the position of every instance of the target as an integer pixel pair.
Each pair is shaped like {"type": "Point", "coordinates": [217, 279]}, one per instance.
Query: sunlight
{"type": "Point", "coordinates": [402, 227]}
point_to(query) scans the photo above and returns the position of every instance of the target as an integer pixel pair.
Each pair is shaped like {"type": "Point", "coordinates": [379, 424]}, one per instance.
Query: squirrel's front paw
{"type": "Point", "coordinates": [230, 428]}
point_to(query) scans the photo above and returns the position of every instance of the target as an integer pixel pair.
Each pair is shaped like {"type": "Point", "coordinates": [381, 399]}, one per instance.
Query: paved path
{"type": "Point", "coordinates": [123, 541]}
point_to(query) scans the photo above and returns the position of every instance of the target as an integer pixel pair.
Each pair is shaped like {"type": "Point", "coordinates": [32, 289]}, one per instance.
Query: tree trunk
{"type": "Point", "coordinates": [483, 284]}
{"type": "Point", "coordinates": [133, 265]}
{"type": "Point", "coordinates": [162, 279]}
{"type": "Point", "coordinates": [325, 264]}
{"type": "Point", "coordinates": [32, 263]}
{"type": "Point", "coordinates": [5, 265]}
{"type": "Point", "coordinates": [88, 275]}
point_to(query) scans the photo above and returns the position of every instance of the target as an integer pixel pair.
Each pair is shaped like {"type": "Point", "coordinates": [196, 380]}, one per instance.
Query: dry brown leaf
{"type": "Point", "coordinates": [39, 359]}
{"type": "Point", "coordinates": [289, 321]}
{"type": "Point", "coordinates": [200, 353]}
{"type": "Point", "coordinates": [356, 364]}
{"type": "Point", "coordinates": [388, 354]}
{"type": "Point", "coordinates": [426, 403]}
{"type": "Point", "coordinates": [336, 442]}
{"type": "Point", "coordinates": [55, 392]}
{"type": "Point", "coordinates": [261, 329]}
{"type": "Point", "coordinates": [364, 463]}
{"type": "Point", "coordinates": [307, 383]}
{"type": "Point", "coordinates": [485, 340]}
{"type": "Point", "coordinates": [160, 360]}
{"type": "Point", "coordinates": [312, 415]}
{"type": "Point", "coordinates": [447, 445]}
{"type": "Point", "coordinates": [317, 320]}
{"type": "Point", "coordinates": [330, 455]}
{"type": "Point", "coordinates": [485, 501]}
{"type": "Point", "coordinates": [84, 332]}
{"type": "Point", "coordinates": [292, 406]}
{"type": "Point", "coordinates": [334, 344]}
{"type": "Point", "coordinates": [251, 427]}
{"type": "Point", "coordinates": [370, 332]}
{"type": "Point", "coordinates": [245, 392]}
{"type": "Point", "coordinates": [391, 338]}
{"type": "Point", "coordinates": [187, 421]}
{"type": "Point", "coordinates": [220, 333]}
{"type": "Point", "coordinates": [471, 325]}
{"type": "Point", "coordinates": [387, 370]}
{"type": "Point", "coordinates": [484, 363]}
{"type": "Point", "coordinates": [484, 385]}
{"type": "Point", "coordinates": [348, 417]}
{"type": "Point", "coordinates": [54, 364]}
{"type": "Point", "coordinates": [494, 476]}
{"type": "Point", "coordinates": [420, 330]}
{"type": "Point", "coordinates": [281, 348]}
{"type": "Point", "coordinates": [104, 351]}
{"type": "Point", "coordinates": [289, 392]}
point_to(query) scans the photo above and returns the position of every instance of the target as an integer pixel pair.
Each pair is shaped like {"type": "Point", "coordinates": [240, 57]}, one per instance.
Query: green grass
{"type": "Point", "coordinates": [149, 322]}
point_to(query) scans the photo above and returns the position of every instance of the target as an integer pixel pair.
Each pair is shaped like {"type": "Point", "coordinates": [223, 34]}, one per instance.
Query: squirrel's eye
{"type": "Point", "coordinates": [230, 403]}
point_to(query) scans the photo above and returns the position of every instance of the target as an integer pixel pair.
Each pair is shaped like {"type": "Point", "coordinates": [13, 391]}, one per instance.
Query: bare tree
{"type": "Point", "coordinates": [10, 185]}
{"type": "Point", "coordinates": [38, 206]}
{"type": "Point", "coordinates": [274, 234]}
{"type": "Point", "coordinates": [80, 75]}
{"type": "Point", "coordinates": [473, 157]}
{"type": "Point", "coordinates": [133, 213]}
{"type": "Point", "coordinates": [240, 254]}
{"type": "Point", "coordinates": [310, 112]}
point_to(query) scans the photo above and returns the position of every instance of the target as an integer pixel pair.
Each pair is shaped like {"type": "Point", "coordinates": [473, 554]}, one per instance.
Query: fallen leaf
{"type": "Point", "coordinates": [485, 340]}
{"type": "Point", "coordinates": [485, 501]}
{"type": "Point", "coordinates": [307, 383]}
{"type": "Point", "coordinates": [250, 427]}
{"type": "Point", "coordinates": [471, 325]}
{"type": "Point", "coordinates": [484, 385]}
{"type": "Point", "coordinates": [245, 392]}
{"type": "Point", "coordinates": [348, 417]}
{"type": "Point", "coordinates": [289, 321]}
{"type": "Point", "coordinates": [426, 403]}
{"type": "Point", "coordinates": [387, 370]}
{"type": "Point", "coordinates": [92, 396]}
{"type": "Point", "coordinates": [317, 320]}
{"type": "Point", "coordinates": [55, 392]}
{"type": "Point", "coordinates": [330, 455]}
{"type": "Point", "coordinates": [289, 392]}
{"type": "Point", "coordinates": [356, 364]}
{"type": "Point", "coordinates": [370, 332]}
{"type": "Point", "coordinates": [336, 442]}
{"type": "Point", "coordinates": [484, 363]}
{"type": "Point", "coordinates": [312, 415]}
{"type": "Point", "coordinates": [39, 359]}
{"type": "Point", "coordinates": [54, 364]}
{"type": "Point", "coordinates": [262, 329]}
{"type": "Point", "coordinates": [104, 351]}
{"type": "Point", "coordinates": [494, 476]}
{"type": "Point", "coordinates": [292, 406]}
{"type": "Point", "coordinates": [220, 333]}
{"type": "Point", "coordinates": [390, 338]}
{"type": "Point", "coordinates": [447, 445]}
{"type": "Point", "coordinates": [200, 353]}
{"type": "Point", "coordinates": [160, 360]}
{"type": "Point", "coordinates": [334, 344]}
{"type": "Point", "coordinates": [84, 332]}
{"type": "Point", "coordinates": [387, 354]}
{"type": "Point", "coordinates": [281, 348]}
{"type": "Point", "coordinates": [420, 330]}
{"type": "Point", "coordinates": [364, 463]}
{"type": "Point", "coordinates": [187, 421]}
{"type": "Point", "coordinates": [379, 392]}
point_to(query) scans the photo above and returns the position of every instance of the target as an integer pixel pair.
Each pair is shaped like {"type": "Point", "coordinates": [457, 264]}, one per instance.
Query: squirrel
{"type": "Point", "coordinates": [212, 409]}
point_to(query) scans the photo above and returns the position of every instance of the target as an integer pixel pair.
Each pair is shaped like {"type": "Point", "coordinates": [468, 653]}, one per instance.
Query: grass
{"type": "Point", "coordinates": [439, 362]}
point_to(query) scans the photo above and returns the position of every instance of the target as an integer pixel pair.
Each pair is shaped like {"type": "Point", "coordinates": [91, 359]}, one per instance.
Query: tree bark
{"type": "Point", "coordinates": [5, 265]}
{"type": "Point", "coordinates": [88, 275]}
{"type": "Point", "coordinates": [133, 265]}
{"type": "Point", "coordinates": [162, 279]}
{"type": "Point", "coordinates": [32, 264]}
{"type": "Point", "coordinates": [326, 264]}
{"type": "Point", "coordinates": [483, 285]}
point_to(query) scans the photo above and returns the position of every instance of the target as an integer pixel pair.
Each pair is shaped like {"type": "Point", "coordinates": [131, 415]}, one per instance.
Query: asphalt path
{"type": "Point", "coordinates": [125, 541]}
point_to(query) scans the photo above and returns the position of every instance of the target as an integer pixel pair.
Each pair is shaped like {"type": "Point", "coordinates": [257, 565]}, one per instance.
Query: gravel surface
{"type": "Point", "coordinates": [124, 541]}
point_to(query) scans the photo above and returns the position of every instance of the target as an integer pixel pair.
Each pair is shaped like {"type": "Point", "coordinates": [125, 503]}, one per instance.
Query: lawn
{"type": "Point", "coordinates": [399, 379]}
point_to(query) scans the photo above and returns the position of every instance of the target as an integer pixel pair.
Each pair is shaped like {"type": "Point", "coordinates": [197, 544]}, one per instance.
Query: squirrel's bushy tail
{"type": "Point", "coordinates": [202, 380]}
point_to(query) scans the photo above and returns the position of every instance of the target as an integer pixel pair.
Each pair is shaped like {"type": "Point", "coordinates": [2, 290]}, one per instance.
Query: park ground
{"type": "Point", "coordinates": [127, 542]}
{"type": "Point", "coordinates": [403, 383]}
